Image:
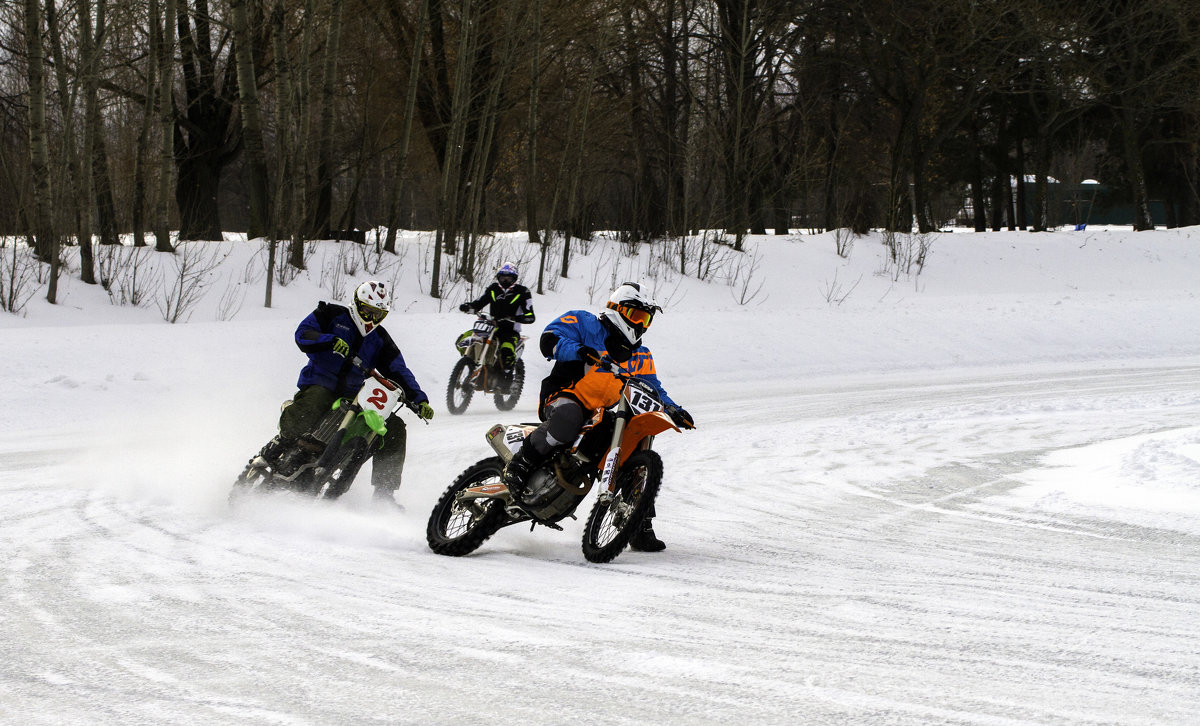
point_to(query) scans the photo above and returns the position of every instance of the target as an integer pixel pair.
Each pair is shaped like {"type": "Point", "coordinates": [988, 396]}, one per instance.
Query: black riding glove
{"type": "Point", "coordinates": [681, 417]}
{"type": "Point", "coordinates": [588, 355]}
{"type": "Point", "coordinates": [466, 308]}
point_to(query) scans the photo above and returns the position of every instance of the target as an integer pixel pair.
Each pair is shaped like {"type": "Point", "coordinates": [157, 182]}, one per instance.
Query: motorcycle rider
{"type": "Point", "coordinates": [576, 389]}
{"type": "Point", "coordinates": [511, 304]}
{"type": "Point", "coordinates": [343, 341]}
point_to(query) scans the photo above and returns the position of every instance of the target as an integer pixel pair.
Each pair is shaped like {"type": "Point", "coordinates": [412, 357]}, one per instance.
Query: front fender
{"type": "Point", "coordinates": [641, 426]}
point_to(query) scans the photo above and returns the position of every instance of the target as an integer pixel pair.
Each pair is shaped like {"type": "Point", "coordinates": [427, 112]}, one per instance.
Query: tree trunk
{"type": "Point", "coordinates": [410, 105]}
{"type": "Point", "coordinates": [978, 212]}
{"type": "Point", "coordinates": [531, 216]}
{"type": "Point", "coordinates": [1041, 164]}
{"type": "Point", "coordinates": [91, 47]}
{"type": "Point", "coordinates": [83, 232]}
{"type": "Point", "coordinates": [141, 156]}
{"type": "Point", "coordinates": [252, 131]}
{"type": "Point", "coordinates": [196, 194]}
{"type": "Point", "coordinates": [738, 52]}
{"type": "Point", "coordinates": [449, 199]}
{"type": "Point", "coordinates": [166, 121]}
{"type": "Point", "coordinates": [140, 163]}
{"type": "Point", "coordinates": [303, 152]}
{"type": "Point", "coordinates": [283, 211]}
{"type": "Point", "coordinates": [1022, 218]}
{"type": "Point", "coordinates": [45, 243]}
{"type": "Point", "coordinates": [205, 140]}
{"type": "Point", "coordinates": [1134, 166]}
{"type": "Point", "coordinates": [322, 208]}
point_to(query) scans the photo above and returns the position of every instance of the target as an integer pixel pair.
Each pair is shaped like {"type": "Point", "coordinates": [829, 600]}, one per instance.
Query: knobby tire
{"type": "Point", "coordinates": [460, 388]}
{"type": "Point", "coordinates": [638, 481]}
{"type": "Point", "coordinates": [506, 401]}
{"type": "Point", "coordinates": [453, 528]}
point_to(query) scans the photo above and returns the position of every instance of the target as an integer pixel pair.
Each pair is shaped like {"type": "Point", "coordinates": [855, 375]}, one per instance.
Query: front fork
{"type": "Point", "coordinates": [481, 365]}
{"type": "Point", "coordinates": [608, 478]}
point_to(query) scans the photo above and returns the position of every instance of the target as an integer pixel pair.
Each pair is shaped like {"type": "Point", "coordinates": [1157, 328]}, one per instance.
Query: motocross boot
{"type": "Point", "coordinates": [504, 380]}
{"type": "Point", "coordinates": [384, 499]}
{"type": "Point", "coordinates": [643, 539]}
{"type": "Point", "coordinates": [296, 453]}
{"type": "Point", "coordinates": [518, 469]}
{"type": "Point", "coordinates": [270, 453]}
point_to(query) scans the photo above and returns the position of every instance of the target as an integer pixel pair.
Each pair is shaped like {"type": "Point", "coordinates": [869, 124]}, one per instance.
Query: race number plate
{"type": "Point", "coordinates": [374, 396]}
{"type": "Point", "coordinates": [641, 400]}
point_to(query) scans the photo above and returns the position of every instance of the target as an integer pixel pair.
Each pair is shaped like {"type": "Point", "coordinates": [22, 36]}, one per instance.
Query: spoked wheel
{"type": "Point", "coordinates": [460, 389]}
{"type": "Point", "coordinates": [253, 479]}
{"type": "Point", "coordinates": [336, 476]}
{"type": "Point", "coordinates": [610, 526]}
{"type": "Point", "coordinates": [505, 401]}
{"type": "Point", "coordinates": [458, 526]}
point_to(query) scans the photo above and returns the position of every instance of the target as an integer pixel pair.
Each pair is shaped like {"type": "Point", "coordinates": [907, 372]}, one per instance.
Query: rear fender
{"type": "Point", "coordinates": [506, 440]}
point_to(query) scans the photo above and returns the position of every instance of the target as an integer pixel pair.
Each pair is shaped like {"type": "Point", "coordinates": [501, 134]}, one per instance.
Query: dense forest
{"type": "Point", "coordinates": [301, 119]}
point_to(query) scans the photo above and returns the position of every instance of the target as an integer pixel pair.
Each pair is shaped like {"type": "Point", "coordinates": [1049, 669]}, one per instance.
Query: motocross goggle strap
{"type": "Point", "coordinates": [370, 313]}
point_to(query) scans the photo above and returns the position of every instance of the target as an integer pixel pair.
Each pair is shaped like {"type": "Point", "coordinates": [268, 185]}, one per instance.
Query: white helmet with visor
{"type": "Point", "coordinates": [630, 311]}
{"type": "Point", "coordinates": [370, 305]}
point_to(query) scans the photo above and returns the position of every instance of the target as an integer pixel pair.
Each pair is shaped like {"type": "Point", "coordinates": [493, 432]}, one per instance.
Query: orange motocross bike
{"type": "Point", "coordinates": [614, 448]}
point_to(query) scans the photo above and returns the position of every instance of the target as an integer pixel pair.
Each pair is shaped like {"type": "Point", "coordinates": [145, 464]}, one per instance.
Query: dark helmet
{"type": "Point", "coordinates": [507, 275]}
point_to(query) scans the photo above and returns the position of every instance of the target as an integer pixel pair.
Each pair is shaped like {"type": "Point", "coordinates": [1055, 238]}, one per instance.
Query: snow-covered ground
{"type": "Point", "coordinates": [970, 496]}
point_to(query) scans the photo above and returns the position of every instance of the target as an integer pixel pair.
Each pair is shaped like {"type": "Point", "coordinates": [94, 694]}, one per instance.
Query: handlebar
{"type": "Point", "coordinates": [392, 385]}
{"type": "Point", "coordinates": [608, 365]}
{"type": "Point", "coordinates": [488, 316]}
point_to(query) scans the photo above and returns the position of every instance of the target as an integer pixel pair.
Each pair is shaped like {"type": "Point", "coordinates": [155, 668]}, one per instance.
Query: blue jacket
{"type": "Point", "coordinates": [315, 337]}
{"type": "Point", "coordinates": [576, 328]}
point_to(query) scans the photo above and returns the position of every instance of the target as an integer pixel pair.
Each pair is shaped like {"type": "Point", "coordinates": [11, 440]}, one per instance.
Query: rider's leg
{"type": "Point", "coordinates": [508, 345]}
{"type": "Point", "coordinates": [508, 354]}
{"type": "Point", "coordinates": [388, 464]}
{"type": "Point", "coordinates": [644, 539]}
{"type": "Point", "coordinates": [564, 420]}
{"type": "Point", "coordinates": [308, 407]}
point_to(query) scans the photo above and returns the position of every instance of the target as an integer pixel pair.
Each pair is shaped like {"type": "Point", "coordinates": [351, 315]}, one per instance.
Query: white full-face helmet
{"type": "Point", "coordinates": [370, 305]}
{"type": "Point", "coordinates": [630, 311]}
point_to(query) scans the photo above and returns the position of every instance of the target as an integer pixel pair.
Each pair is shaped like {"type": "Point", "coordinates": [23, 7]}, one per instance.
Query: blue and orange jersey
{"type": "Point", "coordinates": [575, 329]}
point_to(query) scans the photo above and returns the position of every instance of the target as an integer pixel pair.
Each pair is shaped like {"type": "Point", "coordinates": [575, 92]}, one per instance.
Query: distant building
{"type": "Point", "coordinates": [1070, 205]}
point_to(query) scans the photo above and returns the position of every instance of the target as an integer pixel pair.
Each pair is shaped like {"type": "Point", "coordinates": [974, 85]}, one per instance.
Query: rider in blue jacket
{"type": "Point", "coordinates": [344, 343]}
{"type": "Point", "coordinates": [577, 341]}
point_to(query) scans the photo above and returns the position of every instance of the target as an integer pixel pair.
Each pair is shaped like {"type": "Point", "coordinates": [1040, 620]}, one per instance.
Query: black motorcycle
{"type": "Point", "coordinates": [480, 368]}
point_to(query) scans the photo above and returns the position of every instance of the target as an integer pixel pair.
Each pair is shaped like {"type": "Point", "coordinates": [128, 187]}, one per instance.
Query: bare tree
{"type": "Point", "coordinates": [322, 192]}
{"type": "Point", "coordinates": [410, 105]}
{"type": "Point", "coordinates": [80, 191]}
{"type": "Point", "coordinates": [45, 241]}
{"type": "Point", "coordinates": [92, 40]}
{"type": "Point", "coordinates": [252, 129]}
{"type": "Point", "coordinates": [205, 138]}
{"type": "Point", "coordinates": [531, 222]}
{"type": "Point", "coordinates": [165, 110]}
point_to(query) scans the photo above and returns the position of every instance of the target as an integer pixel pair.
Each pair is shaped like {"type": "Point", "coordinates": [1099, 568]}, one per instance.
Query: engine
{"type": "Point", "coordinates": [549, 500]}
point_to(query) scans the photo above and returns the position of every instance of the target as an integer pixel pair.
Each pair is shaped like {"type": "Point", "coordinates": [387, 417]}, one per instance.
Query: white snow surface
{"type": "Point", "coordinates": [969, 496]}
